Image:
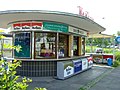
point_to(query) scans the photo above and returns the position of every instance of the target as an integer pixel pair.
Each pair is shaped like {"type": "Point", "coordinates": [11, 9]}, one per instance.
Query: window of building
{"type": "Point", "coordinates": [23, 39]}
{"type": "Point", "coordinates": [75, 45]}
{"type": "Point", "coordinates": [63, 46]}
{"type": "Point", "coordinates": [83, 46]}
{"type": "Point", "coordinates": [45, 45]}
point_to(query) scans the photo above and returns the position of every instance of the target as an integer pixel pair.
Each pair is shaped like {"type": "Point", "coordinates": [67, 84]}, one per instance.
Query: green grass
{"type": "Point", "coordinates": [106, 50]}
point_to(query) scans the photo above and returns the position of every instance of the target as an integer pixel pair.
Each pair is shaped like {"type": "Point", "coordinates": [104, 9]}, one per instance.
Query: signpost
{"type": "Point", "coordinates": [118, 40]}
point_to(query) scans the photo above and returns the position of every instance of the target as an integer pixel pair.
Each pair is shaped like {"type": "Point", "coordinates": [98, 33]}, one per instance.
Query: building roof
{"type": "Point", "coordinates": [82, 22]}
{"type": "Point", "coordinates": [100, 35]}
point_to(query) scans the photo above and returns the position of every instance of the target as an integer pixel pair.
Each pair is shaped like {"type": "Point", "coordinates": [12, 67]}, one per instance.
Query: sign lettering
{"type": "Point", "coordinates": [84, 13]}
{"type": "Point", "coordinates": [27, 26]}
{"type": "Point", "coordinates": [77, 31]}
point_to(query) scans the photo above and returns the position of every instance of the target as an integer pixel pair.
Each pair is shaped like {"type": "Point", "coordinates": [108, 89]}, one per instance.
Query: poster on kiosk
{"type": "Point", "coordinates": [77, 66]}
{"type": "Point", "coordinates": [90, 62]}
{"type": "Point", "coordinates": [64, 69]}
{"type": "Point", "coordinates": [68, 69]}
{"type": "Point", "coordinates": [84, 63]}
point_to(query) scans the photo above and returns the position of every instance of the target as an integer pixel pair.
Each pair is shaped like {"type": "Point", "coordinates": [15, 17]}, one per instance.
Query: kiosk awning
{"type": "Point", "coordinates": [100, 36]}
{"type": "Point", "coordinates": [70, 19]}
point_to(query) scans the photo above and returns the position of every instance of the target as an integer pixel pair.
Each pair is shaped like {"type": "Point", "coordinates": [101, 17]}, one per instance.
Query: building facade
{"type": "Point", "coordinates": [49, 40]}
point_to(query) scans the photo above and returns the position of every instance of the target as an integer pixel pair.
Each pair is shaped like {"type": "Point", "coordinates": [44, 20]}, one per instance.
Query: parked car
{"type": "Point", "coordinates": [98, 50]}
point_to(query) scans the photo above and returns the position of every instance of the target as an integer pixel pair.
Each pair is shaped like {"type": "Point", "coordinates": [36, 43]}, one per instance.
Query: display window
{"type": "Point", "coordinates": [83, 46]}
{"type": "Point", "coordinates": [45, 45]}
{"type": "Point", "coordinates": [63, 46]}
{"type": "Point", "coordinates": [23, 39]}
{"type": "Point", "coordinates": [75, 45]}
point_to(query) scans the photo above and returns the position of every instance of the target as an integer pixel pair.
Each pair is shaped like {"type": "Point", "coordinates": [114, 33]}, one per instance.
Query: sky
{"type": "Point", "coordinates": [104, 12]}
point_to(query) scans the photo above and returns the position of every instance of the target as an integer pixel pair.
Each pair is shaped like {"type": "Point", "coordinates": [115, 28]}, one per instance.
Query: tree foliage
{"type": "Point", "coordinates": [8, 78]}
{"type": "Point", "coordinates": [98, 41]}
{"type": "Point", "coordinates": [118, 33]}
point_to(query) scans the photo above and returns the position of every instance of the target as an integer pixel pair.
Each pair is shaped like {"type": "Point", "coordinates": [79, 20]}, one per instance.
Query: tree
{"type": "Point", "coordinates": [118, 33]}
{"type": "Point", "coordinates": [8, 77]}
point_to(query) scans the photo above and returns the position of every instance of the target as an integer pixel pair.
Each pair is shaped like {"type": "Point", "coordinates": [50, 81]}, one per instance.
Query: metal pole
{"type": "Point", "coordinates": [1, 47]}
{"type": "Point", "coordinates": [113, 48]}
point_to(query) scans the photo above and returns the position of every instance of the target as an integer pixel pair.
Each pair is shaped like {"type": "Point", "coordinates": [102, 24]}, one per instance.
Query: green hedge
{"type": "Point", "coordinates": [117, 55]}
{"type": "Point", "coordinates": [116, 63]}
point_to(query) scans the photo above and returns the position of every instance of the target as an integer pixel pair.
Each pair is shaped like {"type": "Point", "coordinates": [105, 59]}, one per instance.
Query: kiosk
{"type": "Point", "coordinates": [48, 39]}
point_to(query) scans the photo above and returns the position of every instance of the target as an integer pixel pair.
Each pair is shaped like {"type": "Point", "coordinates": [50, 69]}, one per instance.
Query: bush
{"type": "Point", "coordinates": [116, 63]}
{"type": "Point", "coordinates": [117, 56]}
{"type": "Point", "coordinates": [8, 79]}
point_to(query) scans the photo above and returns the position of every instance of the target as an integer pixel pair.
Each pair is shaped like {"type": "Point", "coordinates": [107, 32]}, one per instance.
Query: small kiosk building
{"type": "Point", "coordinates": [53, 43]}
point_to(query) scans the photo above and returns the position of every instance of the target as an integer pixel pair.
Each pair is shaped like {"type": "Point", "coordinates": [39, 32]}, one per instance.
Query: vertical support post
{"type": "Point", "coordinates": [80, 46]}
{"type": "Point", "coordinates": [1, 48]}
{"type": "Point", "coordinates": [32, 45]}
{"type": "Point", "coordinates": [57, 46]}
{"type": "Point", "coordinates": [91, 44]}
{"type": "Point", "coordinates": [113, 48]}
{"type": "Point", "coordinates": [70, 45]}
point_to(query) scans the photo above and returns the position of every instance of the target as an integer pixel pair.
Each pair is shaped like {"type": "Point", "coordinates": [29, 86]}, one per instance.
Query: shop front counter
{"type": "Point", "coordinates": [66, 69]}
{"type": "Point", "coordinates": [60, 68]}
{"type": "Point", "coordinates": [102, 58]}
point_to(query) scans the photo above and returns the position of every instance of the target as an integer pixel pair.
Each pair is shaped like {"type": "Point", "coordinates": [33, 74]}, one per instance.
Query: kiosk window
{"type": "Point", "coordinates": [45, 45]}
{"type": "Point", "coordinates": [75, 45]}
{"type": "Point", "coordinates": [23, 39]}
{"type": "Point", "coordinates": [83, 46]}
{"type": "Point", "coordinates": [63, 46]}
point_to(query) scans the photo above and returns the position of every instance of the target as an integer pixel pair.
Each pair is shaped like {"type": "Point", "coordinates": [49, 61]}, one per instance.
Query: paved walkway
{"type": "Point", "coordinates": [109, 82]}
{"type": "Point", "coordinates": [92, 79]}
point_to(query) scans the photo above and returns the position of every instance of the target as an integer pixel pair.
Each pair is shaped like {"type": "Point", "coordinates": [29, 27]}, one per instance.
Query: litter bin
{"type": "Point", "coordinates": [109, 61]}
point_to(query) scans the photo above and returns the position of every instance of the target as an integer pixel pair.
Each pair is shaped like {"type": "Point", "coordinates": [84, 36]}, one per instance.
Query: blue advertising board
{"type": "Point", "coordinates": [23, 39]}
{"type": "Point", "coordinates": [77, 65]}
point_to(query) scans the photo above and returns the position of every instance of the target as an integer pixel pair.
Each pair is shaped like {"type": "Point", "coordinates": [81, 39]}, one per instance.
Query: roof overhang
{"type": "Point", "coordinates": [99, 35]}
{"type": "Point", "coordinates": [75, 20]}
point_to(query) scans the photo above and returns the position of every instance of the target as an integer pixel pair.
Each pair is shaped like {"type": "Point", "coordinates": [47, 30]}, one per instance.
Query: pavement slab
{"type": "Point", "coordinates": [72, 83]}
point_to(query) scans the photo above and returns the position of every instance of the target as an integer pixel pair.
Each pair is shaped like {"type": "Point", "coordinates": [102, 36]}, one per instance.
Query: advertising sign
{"type": "Point", "coordinates": [55, 26]}
{"type": "Point", "coordinates": [23, 40]}
{"type": "Point", "coordinates": [97, 58]}
{"type": "Point", "coordinates": [106, 56]}
{"type": "Point", "coordinates": [36, 25]}
{"type": "Point", "coordinates": [17, 26]}
{"type": "Point", "coordinates": [90, 62]}
{"type": "Point", "coordinates": [77, 31]}
{"type": "Point", "coordinates": [84, 63]}
{"type": "Point", "coordinates": [27, 26]}
{"type": "Point", "coordinates": [77, 65]}
{"type": "Point", "coordinates": [68, 69]}
{"type": "Point", "coordinates": [82, 12]}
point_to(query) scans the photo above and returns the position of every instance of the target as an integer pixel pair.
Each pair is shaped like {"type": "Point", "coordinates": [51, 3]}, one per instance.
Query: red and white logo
{"type": "Point", "coordinates": [90, 62]}
{"type": "Point", "coordinates": [36, 25]}
{"type": "Point", "coordinates": [26, 25]}
{"type": "Point", "coordinates": [17, 26]}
